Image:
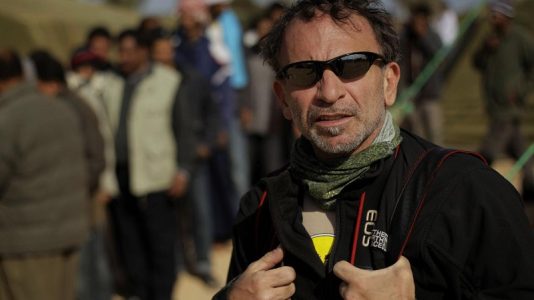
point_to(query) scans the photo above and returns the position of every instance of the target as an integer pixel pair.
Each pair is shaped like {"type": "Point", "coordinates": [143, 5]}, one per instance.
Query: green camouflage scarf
{"type": "Point", "coordinates": [326, 180]}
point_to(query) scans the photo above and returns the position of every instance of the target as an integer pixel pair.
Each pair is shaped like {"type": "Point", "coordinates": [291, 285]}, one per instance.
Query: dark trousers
{"type": "Point", "coordinates": [224, 198]}
{"type": "Point", "coordinates": [145, 236]}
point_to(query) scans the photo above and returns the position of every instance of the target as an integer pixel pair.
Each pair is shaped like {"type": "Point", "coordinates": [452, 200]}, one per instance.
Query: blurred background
{"type": "Point", "coordinates": [61, 28]}
{"type": "Point", "coordinates": [61, 25]}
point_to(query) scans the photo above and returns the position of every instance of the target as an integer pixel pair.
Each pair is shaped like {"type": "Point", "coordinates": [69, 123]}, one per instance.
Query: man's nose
{"type": "Point", "coordinates": [330, 87]}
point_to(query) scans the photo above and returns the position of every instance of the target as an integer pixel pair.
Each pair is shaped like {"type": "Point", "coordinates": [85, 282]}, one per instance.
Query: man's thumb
{"type": "Point", "coordinates": [268, 261]}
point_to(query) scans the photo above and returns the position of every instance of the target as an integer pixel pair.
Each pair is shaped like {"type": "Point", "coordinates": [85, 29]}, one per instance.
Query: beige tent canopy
{"type": "Point", "coordinates": [56, 25]}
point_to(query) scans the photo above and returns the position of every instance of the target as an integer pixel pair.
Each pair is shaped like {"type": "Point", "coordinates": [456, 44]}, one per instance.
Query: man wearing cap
{"type": "Point", "coordinates": [506, 64]}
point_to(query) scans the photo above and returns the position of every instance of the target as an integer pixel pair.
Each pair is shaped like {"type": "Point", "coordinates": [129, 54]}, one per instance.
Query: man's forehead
{"type": "Point", "coordinates": [354, 22]}
{"type": "Point", "coordinates": [325, 32]}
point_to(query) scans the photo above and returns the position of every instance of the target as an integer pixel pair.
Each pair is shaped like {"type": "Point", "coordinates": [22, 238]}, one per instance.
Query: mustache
{"type": "Point", "coordinates": [316, 112]}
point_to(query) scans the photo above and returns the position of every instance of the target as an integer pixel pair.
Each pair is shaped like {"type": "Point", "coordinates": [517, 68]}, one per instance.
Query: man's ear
{"type": "Point", "coordinates": [281, 99]}
{"type": "Point", "coordinates": [391, 83]}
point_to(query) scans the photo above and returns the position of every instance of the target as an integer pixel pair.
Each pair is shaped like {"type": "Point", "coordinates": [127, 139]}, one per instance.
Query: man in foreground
{"type": "Point", "coordinates": [364, 210]}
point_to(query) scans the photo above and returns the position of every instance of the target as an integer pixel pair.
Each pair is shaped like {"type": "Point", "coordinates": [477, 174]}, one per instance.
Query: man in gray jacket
{"type": "Point", "coordinates": [43, 190]}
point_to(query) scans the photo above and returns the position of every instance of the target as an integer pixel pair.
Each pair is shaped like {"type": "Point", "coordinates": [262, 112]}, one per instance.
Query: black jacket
{"type": "Point", "coordinates": [471, 239]}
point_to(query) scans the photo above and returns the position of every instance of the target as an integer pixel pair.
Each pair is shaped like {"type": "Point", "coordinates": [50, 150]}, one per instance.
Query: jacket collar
{"type": "Point", "coordinates": [283, 197]}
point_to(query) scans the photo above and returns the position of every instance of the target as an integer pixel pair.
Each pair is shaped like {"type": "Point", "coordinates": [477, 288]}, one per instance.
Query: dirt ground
{"type": "Point", "coordinates": [189, 288]}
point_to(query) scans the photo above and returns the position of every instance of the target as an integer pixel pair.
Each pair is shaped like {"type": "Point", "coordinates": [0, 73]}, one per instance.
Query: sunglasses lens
{"type": "Point", "coordinates": [302, 75]}
{"type": "Point", "coordinates": [353, 66]}
{"type": "Point", "coordinates": [348, 67]}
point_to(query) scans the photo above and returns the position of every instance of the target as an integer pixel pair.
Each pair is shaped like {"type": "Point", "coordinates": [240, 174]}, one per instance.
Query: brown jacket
{"type": "Point", "coordinates": [43, 174]}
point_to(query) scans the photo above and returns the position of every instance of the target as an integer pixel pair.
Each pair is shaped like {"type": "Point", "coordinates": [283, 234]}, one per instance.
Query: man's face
{"type": "Point", "coordinates": [100, 45]}
{"type": "Point", "coordinates": [420, 24]}
{"type": "Point", "coordinates": [339, 117]}
{"type": "Point", "coordinates": [216, 10]}
{"type": "Point", "coordinates": [49, 88]}
{"type": "Point", "coordinates": [131, 56]}
{"type": "Point", "coordinates": [163, 52]}
{"type": "Point", "coordinates": [499, 21]}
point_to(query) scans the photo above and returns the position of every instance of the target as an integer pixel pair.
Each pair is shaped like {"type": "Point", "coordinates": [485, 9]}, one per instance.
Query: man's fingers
{"type": "Point", "coordinates": [403, 262]}
{"type": "Point", "coordinates": [268, 261]}
{"type": "Point", "coordinates": [403, 270]}
{"type": "Point", "coordinates": [343, 289]}
{"type": "Point", "coordinates": [393, 282]}
{"type": "Point", "coordinates": [280, 276]}
{"type": "Point", "coordinates": [344, 270]}
{"type": "Point", "coordinates": [284, 292]}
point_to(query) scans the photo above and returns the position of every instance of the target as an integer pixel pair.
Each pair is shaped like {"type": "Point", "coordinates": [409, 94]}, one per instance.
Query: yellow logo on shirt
{"type": "Point", "coordinates": [323, 244]}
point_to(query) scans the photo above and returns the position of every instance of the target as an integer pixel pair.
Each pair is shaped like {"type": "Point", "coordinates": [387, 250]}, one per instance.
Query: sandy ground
{"type": "Point", "coordinates": [188, 287]}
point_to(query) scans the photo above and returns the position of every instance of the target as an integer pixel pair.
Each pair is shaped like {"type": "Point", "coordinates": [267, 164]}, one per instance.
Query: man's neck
{"type": "Point", "coordinates": [139, 72]}
{"type": "Point", "coordinates": [9, 84]}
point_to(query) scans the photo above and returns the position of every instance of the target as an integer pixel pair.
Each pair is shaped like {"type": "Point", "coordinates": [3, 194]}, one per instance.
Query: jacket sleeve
{"type": "Point", "coordinates": [210, 114]}
{"type": "Point", "coordinates": [478, 244]}
{"type": "Point", "coordinates": [94, 146]}
{"type": "Point", "coordinates": [527, 48]}
{"type": "Point", "coordinates": [430, 44]}
{"type": "Point", "coordinates": [481, 56]}
{"type": "Point", "coordinates": [182, 125]}
{"type": "Point", "coordinates": [7, 158]}
{"type": "Point", "coordinates": [243, 238]}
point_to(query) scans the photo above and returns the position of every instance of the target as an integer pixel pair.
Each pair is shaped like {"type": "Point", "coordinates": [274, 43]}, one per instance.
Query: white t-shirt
{"type": "Point", "coordinates": [320, 225]}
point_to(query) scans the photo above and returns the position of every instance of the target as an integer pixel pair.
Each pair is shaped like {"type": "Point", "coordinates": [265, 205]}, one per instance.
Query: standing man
{"type": "Point", "coordinates": [43, 190]}
{"type": "Point", "coordinates": [153, 141]}
{"type": "Point", "coordinates": [94, 280]}
{"type": "Point", "coordinates": [99, 42]}
{"type": "Point", "coordinates": [419, 44]}
{"type": "Point", "coordinates": [366, 211]}
{"type": "Point", "coordinates": [225, 19]}
{"type": "Point", "coordinates": [195, 212]}
{"type": "Point", "coordinates": [506, 62]}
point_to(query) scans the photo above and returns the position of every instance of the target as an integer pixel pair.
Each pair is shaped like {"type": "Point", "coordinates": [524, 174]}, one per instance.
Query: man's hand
{"type": "Point", "coordinates": [261, 281]}
{"type": "Point", "coordinates": [102, 197]}
{"type": "Point", "coordinates": [222, 139]}
{"type": "Point", "coordinates": [246, 117]}
{"type": "Point", "coordinates": [493, 42]}
{"type": "Point", "coordinates": [394, 282]}
{"type": "Point", "coordinates": [179, 185]}
{"type": "Point", "coordinates": [203, 151]}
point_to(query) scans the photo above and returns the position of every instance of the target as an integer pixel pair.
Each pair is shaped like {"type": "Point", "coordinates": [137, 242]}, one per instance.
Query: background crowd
{"type": "Point", "coordinates": [125, 165]}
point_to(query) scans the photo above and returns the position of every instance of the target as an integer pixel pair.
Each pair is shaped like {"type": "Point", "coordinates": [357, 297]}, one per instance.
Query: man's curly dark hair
{"type": "Point", "coordinates": [340, 11]}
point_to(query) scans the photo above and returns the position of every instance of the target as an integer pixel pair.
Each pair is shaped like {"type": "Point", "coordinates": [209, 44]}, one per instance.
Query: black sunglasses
{"type": "Point", "coordinates": [347, 66]}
